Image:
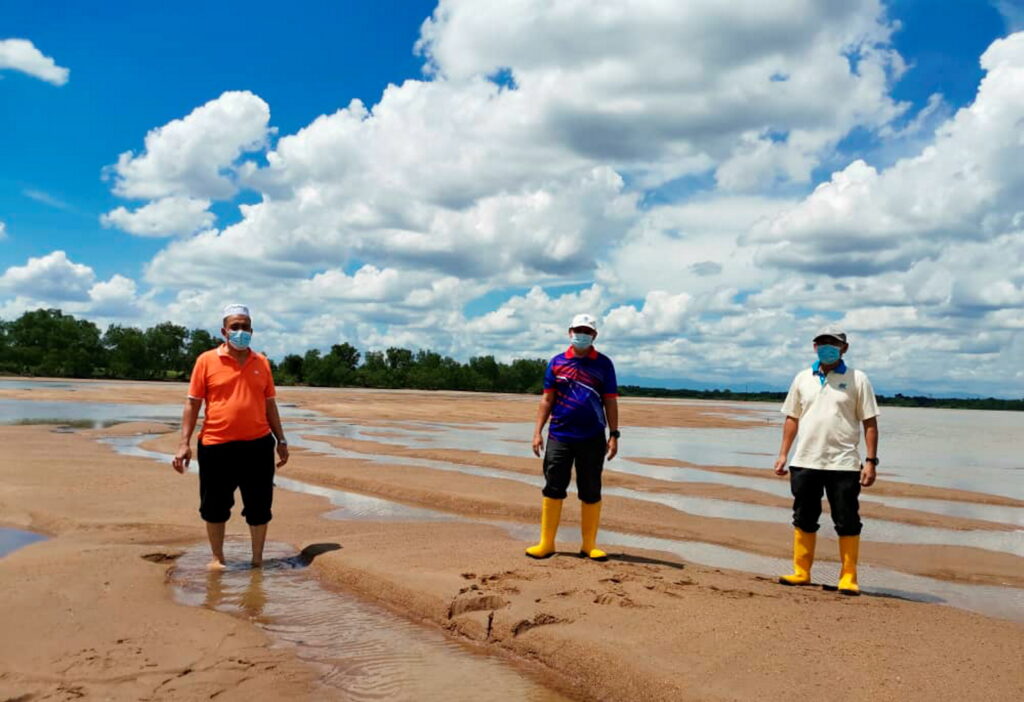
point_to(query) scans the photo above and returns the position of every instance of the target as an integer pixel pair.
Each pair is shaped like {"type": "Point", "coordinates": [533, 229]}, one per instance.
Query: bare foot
{"type": "Point", "coordinates": [257, 564]}
{"type": "Point", "coordinates": [216, 564]}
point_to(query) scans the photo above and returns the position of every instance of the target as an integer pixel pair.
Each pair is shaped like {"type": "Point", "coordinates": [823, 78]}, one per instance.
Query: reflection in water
{"type": "Point", "coordinates": [364, 652]}
{"type": "Point", "coordinates": [991, 600]}
{"type": "Point", "coordinates": [721, 447]}
{"type": "Point", "coordinates": [1005, 602]}
{"type": "Point", "coordinates": [13, 539]}
{"type": "Point", "coordinates": [508, 439]}
{"type": "Point", "coordinates": [876, 529]}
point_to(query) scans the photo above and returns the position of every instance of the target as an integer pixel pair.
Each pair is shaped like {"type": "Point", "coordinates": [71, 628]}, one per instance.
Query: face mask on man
{"type": "Point", "coordinates": [829, 354]}
{"type": "Point", "coordinates": [581, 341]}
{"type": "Point", "coordinates": [239, 338]}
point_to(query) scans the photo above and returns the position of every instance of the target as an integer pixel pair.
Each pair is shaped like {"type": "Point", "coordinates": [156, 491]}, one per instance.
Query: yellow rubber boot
{"type": "Point", "coordinates": [803, 558]}
{"type": "Point", "coordinates": [590, 519]}
{"type": "Point", "coordinates": [849, 550]}
{"type": "Point", "coordinates": [550, 515]}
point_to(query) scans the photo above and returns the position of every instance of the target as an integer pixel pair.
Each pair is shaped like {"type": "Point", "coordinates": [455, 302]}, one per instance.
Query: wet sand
{"type": "Point", "coordinates": [475, 496]}
{"type": "Point", "coordinates": [93, 615]}
{"type": "Point", "coordinates": [882, 487]}
{"type": "Point", "coordinates": [611, 478]}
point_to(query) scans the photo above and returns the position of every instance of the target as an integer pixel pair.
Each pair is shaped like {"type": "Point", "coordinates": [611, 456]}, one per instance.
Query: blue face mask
{"type": "Point", "coordinates": [239, 338]}
{"type": "Point", "coordinates": [829, 354]}
{"type": "Point", "coordinates": [581, 341]}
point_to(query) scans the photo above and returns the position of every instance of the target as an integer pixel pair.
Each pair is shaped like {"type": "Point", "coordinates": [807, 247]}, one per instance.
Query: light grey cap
{"type": "Point", "coordinates": [832, 330]}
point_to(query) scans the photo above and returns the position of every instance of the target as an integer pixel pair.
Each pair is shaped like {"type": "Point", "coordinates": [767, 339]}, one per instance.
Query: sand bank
{"type": "Point", "coordinates": [643, 627]}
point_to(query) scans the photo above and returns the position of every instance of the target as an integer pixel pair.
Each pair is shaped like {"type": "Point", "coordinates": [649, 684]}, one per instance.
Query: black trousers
{"type": "Point", "coordinates": [587, 455]}
{"type": "Point", "coordinates": [843, 490]}
{"type": "Point", "coordinates": [247, 466]}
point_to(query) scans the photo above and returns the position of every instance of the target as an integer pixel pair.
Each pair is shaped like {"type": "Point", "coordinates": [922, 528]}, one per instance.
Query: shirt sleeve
{"type": "Point", "coordinates": [549, 377]}
{"type": "Point", "coordinates": [197, 384]}
{"type": "Point", "coordinates": [867, 405]}
{"type": "Point", "coordinates": [793, 407]}
{"type": "Point", "coordinates": [611, 384]}
{"type": "Point", "coordinates": [270, 390]}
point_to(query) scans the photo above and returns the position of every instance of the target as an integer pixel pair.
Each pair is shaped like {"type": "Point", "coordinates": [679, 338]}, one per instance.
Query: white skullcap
{"type": "Point", "coordinates": [236, 309]}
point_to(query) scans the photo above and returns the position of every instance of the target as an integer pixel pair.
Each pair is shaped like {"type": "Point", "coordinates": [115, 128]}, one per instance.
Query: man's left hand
{"type": "Point", "coordinates": [867, 474]}
{"type": "Point", "coordinates": [282, 453]}
{"type": "Point", "coordinates": [613, 447]}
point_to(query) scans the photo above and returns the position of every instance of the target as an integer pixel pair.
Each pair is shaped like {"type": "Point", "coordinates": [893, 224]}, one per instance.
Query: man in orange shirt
{"type": "Point", "coordinates": [240, 430]}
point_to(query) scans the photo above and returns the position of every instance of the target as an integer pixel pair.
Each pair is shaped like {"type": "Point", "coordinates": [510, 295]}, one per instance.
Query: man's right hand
{"type": "Point", "coordinates": [182, 457]}
{"type": "Point", "coordinates": [780, 465]}
{"type": "Point", "coordinates": [538, 444]}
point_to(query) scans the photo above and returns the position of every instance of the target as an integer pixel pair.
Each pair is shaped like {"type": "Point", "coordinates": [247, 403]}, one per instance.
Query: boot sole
{"type": "Point", "coordinates": [785, 582]}
{"type": "Point", "coordinates": [583, 554]}
{"type": "Point", "coordinates": [539, 558]}
{"type": "Point", "coordinates": [848, 593]}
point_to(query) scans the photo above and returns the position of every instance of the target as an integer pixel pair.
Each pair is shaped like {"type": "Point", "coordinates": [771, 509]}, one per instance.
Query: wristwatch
{"type": "Point", "coordinates": [282, 442]}
{"type": "Point", "coordinates": [614, 434]}
{"type": "Point", "coordinates": [872, 460]}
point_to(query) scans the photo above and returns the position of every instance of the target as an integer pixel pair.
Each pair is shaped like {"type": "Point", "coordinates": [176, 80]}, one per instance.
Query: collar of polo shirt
{"type": "Point", "coordinates": [840, 369]}
{"type": "Point", "coordinates": [571, 352]}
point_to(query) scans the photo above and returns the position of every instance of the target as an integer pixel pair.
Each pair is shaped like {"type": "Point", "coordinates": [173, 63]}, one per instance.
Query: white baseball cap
{"type": "Point", "coordinates": [234, 309]}
{"type": "Point", "coordinates": [584, 320]}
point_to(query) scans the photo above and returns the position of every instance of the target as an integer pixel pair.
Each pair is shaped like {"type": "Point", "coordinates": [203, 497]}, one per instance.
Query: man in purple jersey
{"type": "Point", "coordinates": [581, 399]}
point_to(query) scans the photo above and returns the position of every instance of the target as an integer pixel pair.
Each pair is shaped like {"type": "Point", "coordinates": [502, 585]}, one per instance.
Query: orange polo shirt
{"type": "Point", "coordinates": [236, 395]}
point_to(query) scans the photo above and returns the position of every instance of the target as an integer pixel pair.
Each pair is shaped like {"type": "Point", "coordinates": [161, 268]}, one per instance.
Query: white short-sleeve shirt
{"type": "Point", "coordinates": [830, 411]}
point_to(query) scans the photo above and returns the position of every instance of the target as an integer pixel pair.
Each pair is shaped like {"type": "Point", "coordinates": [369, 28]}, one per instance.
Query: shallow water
{"type": "Point", "coordinates": [97, 415]}
{"type": "Point", "coordinates": [716, 446]}
{"type": "Point", "coordinates": [92, 415]}
{"type": "Point", "coordinates": [725, 447]}
{"type": "Point", "coordinates": [876, 530]}
{"type": "Point", "coordinates": [994, 601]}
{"type": "Point", "coordinates": [13, 539]}
{"type": "Point", "coordinates": [363, 652]}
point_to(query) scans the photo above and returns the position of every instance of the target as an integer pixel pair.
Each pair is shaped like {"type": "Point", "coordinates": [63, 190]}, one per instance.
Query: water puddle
{"type": "Point", "coordinates": [507, 439]}
{"type": "Point", "coordinates": [1004, 602]}
{"type": "Point", "coordinates": [13, 539]}
{"type": "Point", "coordinates": [701, 446]}
{"type": "Point", "coordinates": [877, 530]}
{"type": "Point", "coordinates": [97, 415]}
{"type": "Point", "coordinates": [88, 415]}
{"type": "Point", "coordinates": [362, 651]}
{"type": "Point", "coordinates": [6, 384]}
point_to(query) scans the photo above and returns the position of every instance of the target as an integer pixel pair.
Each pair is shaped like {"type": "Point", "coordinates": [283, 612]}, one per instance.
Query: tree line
{"type": "Point", "coordinates": [49, 343]}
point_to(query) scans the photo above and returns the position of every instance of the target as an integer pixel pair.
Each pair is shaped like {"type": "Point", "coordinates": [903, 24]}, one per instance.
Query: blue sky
{"type": "Point", "coordinates": [136, 67]}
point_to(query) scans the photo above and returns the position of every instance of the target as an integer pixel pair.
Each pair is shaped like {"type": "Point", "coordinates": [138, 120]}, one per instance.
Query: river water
{"type": "Point", "coordinates": [970, 450]}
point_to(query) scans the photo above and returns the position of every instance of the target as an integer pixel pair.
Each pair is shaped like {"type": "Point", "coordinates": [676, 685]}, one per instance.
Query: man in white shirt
{"type": "Point", "coordinates": [826, 405]}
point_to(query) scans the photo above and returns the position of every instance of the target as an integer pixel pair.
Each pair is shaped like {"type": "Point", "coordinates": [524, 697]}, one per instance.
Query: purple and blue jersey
{"type": "Point", "coordinates": [580, 384]}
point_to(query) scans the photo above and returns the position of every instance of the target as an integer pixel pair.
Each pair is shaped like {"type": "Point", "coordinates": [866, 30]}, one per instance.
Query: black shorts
{"type": "Point", "coordinates": [587, 455]}
{"type": "Point", "coordinates": [842, 487]}
{"type": "Point", "coordinates": [244, 465]}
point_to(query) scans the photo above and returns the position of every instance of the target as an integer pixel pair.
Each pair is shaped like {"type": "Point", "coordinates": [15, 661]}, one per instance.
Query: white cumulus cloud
{"type": "Point", "coordinates": [167, 216]}
{"type": "Point", "coordinates": [964, 186]}
{"type": "Point", "coordinates": [22, 55]}
{"type": "Point", "coordinates": [193, 156]}
{"type": "Point", "coordinates": [53, 277]}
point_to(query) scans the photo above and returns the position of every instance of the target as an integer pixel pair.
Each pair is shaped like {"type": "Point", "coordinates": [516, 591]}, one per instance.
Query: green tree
{"type": "Point", "coordinates": [199, 341]}
{"type": "Point", "coordinates": [290, 370]}
{"type": "Point", "coordinates": [49, 342]}
{"type": "Point", "coordinates": [166, 345]}
{"type": "Point", "coordinates": [128, 353]}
